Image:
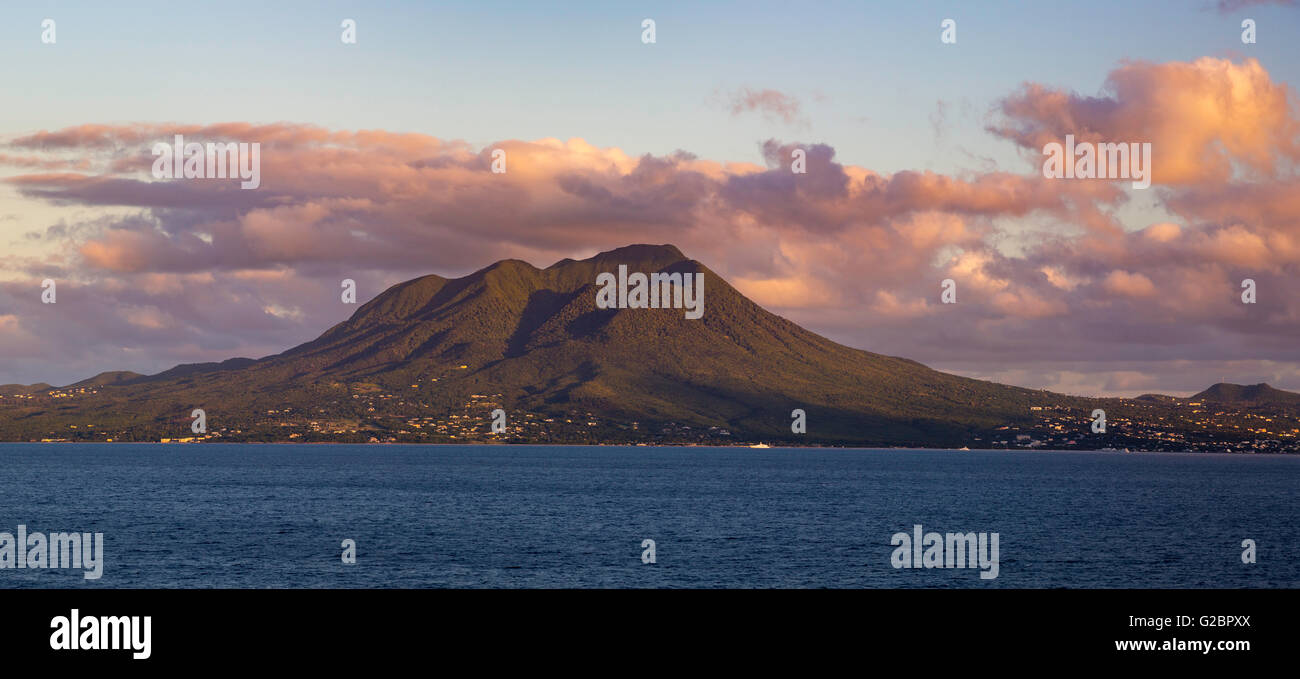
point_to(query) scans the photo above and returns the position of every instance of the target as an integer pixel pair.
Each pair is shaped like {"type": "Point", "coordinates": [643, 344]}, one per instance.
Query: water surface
{"type": "Point", "coordinates": [249, 515]}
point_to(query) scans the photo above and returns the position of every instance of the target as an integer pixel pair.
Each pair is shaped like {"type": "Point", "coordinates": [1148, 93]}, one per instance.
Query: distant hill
{"type": "Point", "coordinates": [9, 389]}
{"type": "Point", "coordinates": [1261, 393]}
{"type": "Point", "coordinates": [1158, 398]}
{"type": "Point", "coordinates": [115, 377]}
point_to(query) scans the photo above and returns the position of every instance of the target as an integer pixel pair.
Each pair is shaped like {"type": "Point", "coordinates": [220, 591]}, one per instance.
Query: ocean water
{"type": "Point", "coordinates": [256, 516]}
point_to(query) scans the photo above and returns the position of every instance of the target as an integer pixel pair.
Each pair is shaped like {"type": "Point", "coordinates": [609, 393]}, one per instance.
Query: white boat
{"type": "Point", "coordinates": [760, 445]}
{"type": "Point", "coordinates": [963, 448]}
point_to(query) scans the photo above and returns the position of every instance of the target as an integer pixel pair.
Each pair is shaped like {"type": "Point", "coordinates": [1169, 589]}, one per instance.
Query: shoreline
{"type": "Point", "coordinates": [662, 445]}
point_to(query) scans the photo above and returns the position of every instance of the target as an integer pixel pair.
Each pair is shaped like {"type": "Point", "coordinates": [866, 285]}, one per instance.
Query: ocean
{"type": "Point", "coordinates": [259, 516]}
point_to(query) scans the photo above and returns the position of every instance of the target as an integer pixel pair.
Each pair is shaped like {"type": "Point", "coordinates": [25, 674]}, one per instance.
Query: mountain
{"type": "Point", "coordinates": [430, 359]}
{"type": "Point", "coordinates": [1261, 393]}
{"type": "Point", "coordinates": [116, 377]}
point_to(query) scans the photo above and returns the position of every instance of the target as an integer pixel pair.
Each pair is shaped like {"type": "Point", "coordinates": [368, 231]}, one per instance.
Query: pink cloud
{"type": "Point", "coordinates": [852, 252]}
{"type": "Point", "coordinates": [1207, 120]}
{"type": "Point", "coordinates": [770, 103]}
{"type": "Point", "coordinates": [1229, 6]}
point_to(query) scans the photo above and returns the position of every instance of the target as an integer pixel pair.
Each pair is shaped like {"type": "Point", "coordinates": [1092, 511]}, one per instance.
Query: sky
{"type": "Point", "coordinates": [924, 163]}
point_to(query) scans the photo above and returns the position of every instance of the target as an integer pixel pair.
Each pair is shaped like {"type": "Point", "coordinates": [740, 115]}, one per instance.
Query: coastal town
{"type": "Point", "coordinates": [374, 415]}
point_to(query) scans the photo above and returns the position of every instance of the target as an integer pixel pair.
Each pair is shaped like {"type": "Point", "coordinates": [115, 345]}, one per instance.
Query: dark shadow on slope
{"type": "Point", "coordinates": [542, 305]}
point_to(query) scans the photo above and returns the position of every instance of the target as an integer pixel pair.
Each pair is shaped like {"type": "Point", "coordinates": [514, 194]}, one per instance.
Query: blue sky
{"type": "Point", "coordinates": [1057, 298]}
{"type": "Point", "coordinates": [868, 75]}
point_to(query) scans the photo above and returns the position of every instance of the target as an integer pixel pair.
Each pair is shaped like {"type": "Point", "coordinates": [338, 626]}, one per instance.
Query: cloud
{"type": "Point", "coordinates": [1127, 284]}
{"type": "Point", "coordinates": [771, 104]}
{"type": "Point", "coordinates": [1209, 121]}
{"type": "Point", "coordinates": [1047, 271]}
{"type": "Point", "coordinates": [1229, 6]}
